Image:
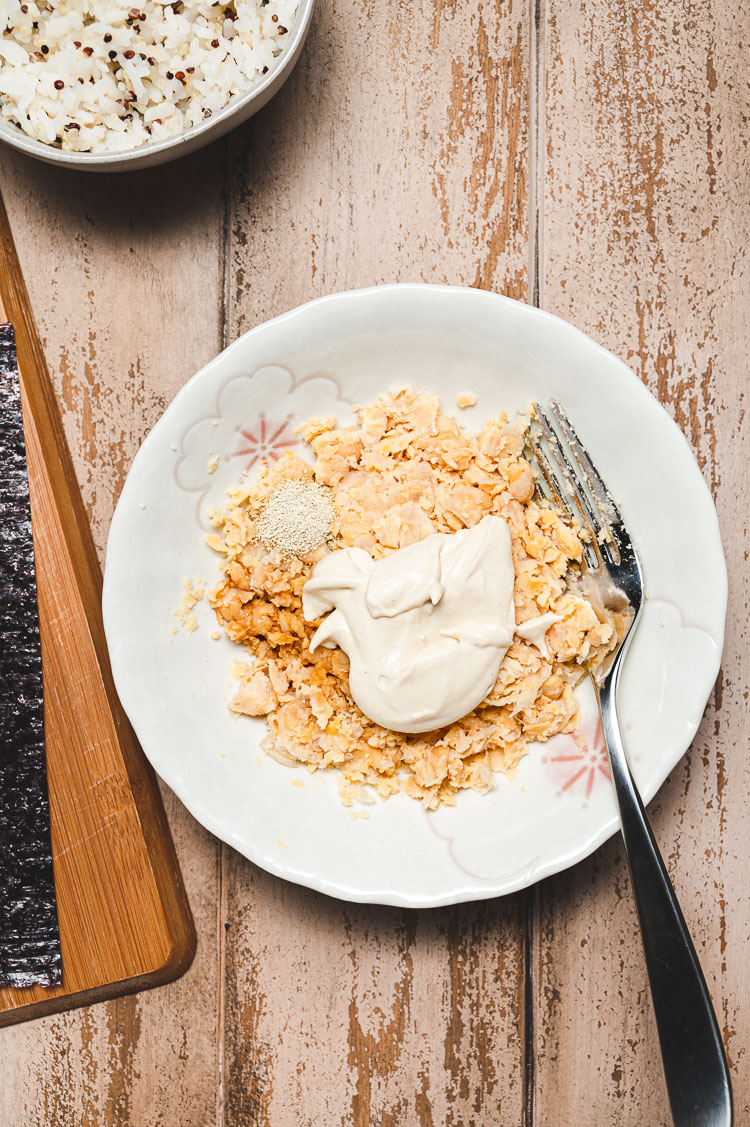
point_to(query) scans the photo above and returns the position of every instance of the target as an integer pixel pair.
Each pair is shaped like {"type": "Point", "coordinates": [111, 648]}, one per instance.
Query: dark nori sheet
{"type": "Point", "coordinates": [29, 936]}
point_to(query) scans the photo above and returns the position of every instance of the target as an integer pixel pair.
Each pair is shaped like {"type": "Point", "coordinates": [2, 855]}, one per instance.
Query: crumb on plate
{"type": "Point", "coordinates": [192, 594]}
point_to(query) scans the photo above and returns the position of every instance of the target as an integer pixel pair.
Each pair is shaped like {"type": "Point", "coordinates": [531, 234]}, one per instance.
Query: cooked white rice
{"type": "Point", "coordinates": [97, 75]}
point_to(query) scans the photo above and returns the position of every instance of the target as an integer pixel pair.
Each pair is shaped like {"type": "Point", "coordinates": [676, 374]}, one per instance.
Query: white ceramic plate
{"type": "Point", "coordinates": [320, 359]}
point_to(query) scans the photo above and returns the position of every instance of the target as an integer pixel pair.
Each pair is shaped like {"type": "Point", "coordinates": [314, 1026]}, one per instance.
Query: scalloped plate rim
{"type": "Point", "coordinates": [310, 877]}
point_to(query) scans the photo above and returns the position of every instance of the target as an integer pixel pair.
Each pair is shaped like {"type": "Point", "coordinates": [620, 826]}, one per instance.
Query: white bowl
{"type": "Point", "coordinates": [238, 109]}
{"type": "Point", "coordinates": [318, 360]}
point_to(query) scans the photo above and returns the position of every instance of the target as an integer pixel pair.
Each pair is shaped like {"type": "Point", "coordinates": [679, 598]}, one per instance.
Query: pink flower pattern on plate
{"type": "Point", "coordinates": [579, 761]}
{"type": "Point", "coordinates": [267, 441]}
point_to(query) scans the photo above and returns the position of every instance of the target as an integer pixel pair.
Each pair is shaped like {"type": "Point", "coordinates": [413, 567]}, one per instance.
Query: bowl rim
{"type": "Point", "coordinates": [13, 135]}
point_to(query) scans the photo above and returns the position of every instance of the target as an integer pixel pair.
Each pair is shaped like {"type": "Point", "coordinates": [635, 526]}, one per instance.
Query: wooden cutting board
{"type": "Point", "coordinates": [125, 923]}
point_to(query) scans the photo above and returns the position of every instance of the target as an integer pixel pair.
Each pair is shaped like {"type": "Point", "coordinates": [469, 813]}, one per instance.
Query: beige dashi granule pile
{"type": "Point", "coordinates": [406, 471]}
{"type": "Point", "coordinates": [297, 518]}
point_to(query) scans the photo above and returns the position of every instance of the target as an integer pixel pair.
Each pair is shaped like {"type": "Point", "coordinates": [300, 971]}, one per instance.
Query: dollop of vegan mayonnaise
{"type": "Point", "coordinates": [425, 629]}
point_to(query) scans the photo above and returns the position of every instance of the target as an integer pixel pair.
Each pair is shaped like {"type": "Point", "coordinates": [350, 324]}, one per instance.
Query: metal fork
{"type": "Point", "coordinates": [695, 1066]}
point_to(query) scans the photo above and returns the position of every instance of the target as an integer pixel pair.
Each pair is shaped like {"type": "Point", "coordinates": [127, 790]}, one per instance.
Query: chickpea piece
{"type": "Point", "coordinates": [521, 480]}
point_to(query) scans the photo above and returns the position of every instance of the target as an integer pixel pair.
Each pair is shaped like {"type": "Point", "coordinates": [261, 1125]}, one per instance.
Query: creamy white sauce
{"type": "Point", "coordinates": [426, 628]}
{"type": "Point", "coordinates": [535, 631]}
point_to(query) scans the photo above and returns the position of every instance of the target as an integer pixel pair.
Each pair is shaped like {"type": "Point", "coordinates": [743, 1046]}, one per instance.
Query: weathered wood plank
{"type": "Point", "coordinates": [398, 151]}
{"type": "Point", "coordinates": [645, 231]}
{"type": "Point", "coordinates": [123, 275]}
{"type": "Point", "coordinates": [356, 1015]}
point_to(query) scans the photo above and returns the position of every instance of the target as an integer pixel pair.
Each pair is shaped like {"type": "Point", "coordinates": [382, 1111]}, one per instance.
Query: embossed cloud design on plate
{"type": "Point", "coordinates": [244, 406]}
{"type": "Point", "coordinates": [253, 421]}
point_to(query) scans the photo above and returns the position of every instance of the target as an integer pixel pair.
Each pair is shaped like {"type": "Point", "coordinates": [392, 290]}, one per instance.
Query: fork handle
{"type": "Point", "coordinates": [695, 1065]}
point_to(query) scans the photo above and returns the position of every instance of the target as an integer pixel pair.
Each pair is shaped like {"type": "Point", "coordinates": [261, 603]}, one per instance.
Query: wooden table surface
{"type": "Point", "coordinates": [592, 158]}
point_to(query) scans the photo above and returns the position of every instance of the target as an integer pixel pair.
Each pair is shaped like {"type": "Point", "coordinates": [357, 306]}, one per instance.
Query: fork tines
{"type": "Point", "coordinates": [567, 477]}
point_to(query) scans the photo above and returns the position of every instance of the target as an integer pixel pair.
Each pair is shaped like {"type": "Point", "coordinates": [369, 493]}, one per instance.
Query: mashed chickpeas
{"type": "Point", "coordinates": [406, 471]}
